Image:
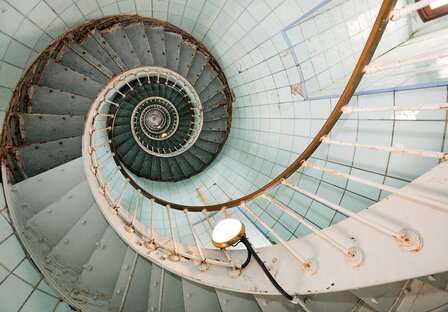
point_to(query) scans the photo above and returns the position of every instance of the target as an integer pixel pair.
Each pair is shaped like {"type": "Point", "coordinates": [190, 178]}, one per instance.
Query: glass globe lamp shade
{"type": "Point", "coordinates": [227, 232]}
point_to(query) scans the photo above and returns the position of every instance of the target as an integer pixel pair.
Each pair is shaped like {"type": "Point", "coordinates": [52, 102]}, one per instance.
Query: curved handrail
{"type": "Point", "coordinates": [366, 55]}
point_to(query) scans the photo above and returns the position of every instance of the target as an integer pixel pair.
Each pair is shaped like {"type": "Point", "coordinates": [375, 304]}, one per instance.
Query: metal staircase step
{"type": "Point", "coordinates": [156, 38]}
{"type": "Point", "coordinates": [118, 40]}
{"type": "Point", "coordinates": [124, 147]}
{"type": "Point", "coordinates": [336, 301]}
{"type": "Point", "coordinates": [132, 153]}
{"type": "Point", "coordinates": [232, 301]}
{"type": "Point", "coordinates": [173, 43]}
{"type": "Point", "coordinates": [101, 271]}
{"type": "Point", "coordinates": [215, 125]}
{"type": "Point", "coordinates": [212, 89]}
{"type": "Point", "coordinates": [139, 40]}
{"type": "Point", "coordinates": [197, 66]}
{"type": "Point", "coordinates": [138, 161]}
{"type": "Point", "coordinates": [92, 60]}
{"type": "Point", "coordinates": [80, 64]}
{"type": "Point", "coordinates": [165, 169]}
{"type": "Point", "coordinates": [199, 297]}
{"type": "Point", "coordinates": [185, 166]}
{"type": "Point", "coordinates": [136, 299]}
{"type": "Point", "coordinates": [58, 76]}
{"type": "Point", "coordinates": [215, 102]}
{"type": "Point", "coordinates": [92, 46]}
{"type": "Point", "coordinates": [54, 221]}
{"type": "Point", "coordinates": [208, 146]}
{"type": "Point", "coordinates": [41, 128]}
{"type": "Point", "coordinates": [172, 288]}
{"type": "Point", "coordinates": [43, 189]}
{"type": "Point", "coordinates": [212, 136]}
{"type": "Point", "coordinates": [156, 288]}
{"type": "Point", "coordinates": [187, 52]}
{"type": "Point", "coordinates": [98, 36]}
{"type": "Point", "coordinates": [207, 76]}
{"type": "Point", "coordinates": [124, 280]}
{"type": "Point", "coordinates": [276, 304]}
{"type": "Point", "coordinates": [76, 247]}
{"type": "Point", "coordinates": [175, 169]}
{"type": "Point", "coordinates": [40, 157]}
{"type": "Point", "coordinates": [47, 100]}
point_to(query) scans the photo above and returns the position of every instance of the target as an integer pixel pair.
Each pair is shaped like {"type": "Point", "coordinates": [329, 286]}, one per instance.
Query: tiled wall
{"type": "Point", "coordinates": [22, 287]}
{"type": "Point", "coordinates": [327, 43]}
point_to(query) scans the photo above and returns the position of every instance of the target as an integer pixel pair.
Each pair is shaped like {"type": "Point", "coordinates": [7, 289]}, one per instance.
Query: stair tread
{"type": "Point", "coordinates": [81, 65]}
{"type": "Point", "coordinates": [41, 128]}
{"type": "Point", "coordinates": [54, 221]}
{"type": "Point", "coordinates": [61, 77]}
{"type": "Point", "coordinates": [156, 38]}
{"type": "Point", "coordinates": [46, 100]}
{"type": "Point", "coordinates": [109, 50]}
{"type": "Point", "coordinates": [139, 40]}
{"type": "Point", "coordinates": [173, 43]}
{"type": "Point", "coordinates": [118, 40]}
{"type": "Point", "coordinates": [40, 157]}
{"type": "Point", "coordinates": [98, 278]}
{"type": "Point", "coordinates": [86, 55]}
{"type": "Point", "coordinates": [75, 249]}
{"type": "Point", "coordinates": [187, 52]}
{"type": "Point", "coordinates": [92, 46]}
{"type": "Point", "coordinates": [198, 64]}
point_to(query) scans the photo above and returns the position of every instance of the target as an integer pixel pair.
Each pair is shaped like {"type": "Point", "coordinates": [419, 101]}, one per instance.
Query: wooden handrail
{"type": "Point", "coordinates": [366, 56]}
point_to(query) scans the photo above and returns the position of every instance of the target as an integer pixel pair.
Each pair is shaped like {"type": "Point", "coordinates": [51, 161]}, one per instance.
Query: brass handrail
{"type": "Point", "coordinates": [366, 56]}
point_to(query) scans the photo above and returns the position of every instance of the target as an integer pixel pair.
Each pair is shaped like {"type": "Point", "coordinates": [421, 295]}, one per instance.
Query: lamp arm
{"type": "Point", "coordinates": [251, 250]}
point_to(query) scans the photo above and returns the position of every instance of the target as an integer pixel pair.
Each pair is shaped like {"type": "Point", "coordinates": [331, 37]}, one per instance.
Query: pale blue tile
{"type": "Point", "coordinates": [11, 253]}
{"type": "Point", "coordinates": [28, 272]}
{"type": "Point", "coordinates": [13, 293]}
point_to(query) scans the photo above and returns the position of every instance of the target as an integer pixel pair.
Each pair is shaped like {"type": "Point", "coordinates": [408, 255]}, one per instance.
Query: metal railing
{"type": "Point", "coordinates": [407, 239]}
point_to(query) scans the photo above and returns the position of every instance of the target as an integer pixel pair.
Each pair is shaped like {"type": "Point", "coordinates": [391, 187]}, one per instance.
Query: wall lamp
{"type": "Point", "coordinates": [230, 232]}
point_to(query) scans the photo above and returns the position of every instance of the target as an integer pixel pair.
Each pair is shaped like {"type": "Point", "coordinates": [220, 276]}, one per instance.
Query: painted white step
{"type": "Point", "coordinates": [236, 302]}
{"type": "Point", "coordinates": [43, 189]}
{"type": "Point", "coordinates": [101, 272]}
{"type": "Point", "coordinates": [79, 243]}
{"type": "Point", "coordinates": [54, 221]}
{"type": "Point", "coordinates": [199, 297]}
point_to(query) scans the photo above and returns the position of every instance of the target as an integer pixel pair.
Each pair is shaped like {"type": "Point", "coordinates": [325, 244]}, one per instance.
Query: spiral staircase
{"type": "Point", "coordinates": [119, 108]}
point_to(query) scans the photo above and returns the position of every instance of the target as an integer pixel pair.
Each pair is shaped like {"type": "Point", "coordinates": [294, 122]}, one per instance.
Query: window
{"type": "Point", "coordinates": [434, 10]}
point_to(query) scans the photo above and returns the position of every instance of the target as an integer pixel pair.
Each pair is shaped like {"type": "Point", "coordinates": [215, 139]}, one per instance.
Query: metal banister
{"type": "Point", "coordinates": [367, 53]}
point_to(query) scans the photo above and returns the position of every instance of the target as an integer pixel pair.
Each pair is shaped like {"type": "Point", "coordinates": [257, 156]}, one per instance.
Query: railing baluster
{"type": "Point", "coordinates": [354, 256]}
{"type": "Point", "coordinates": [91, 131]}
{"type": "Point", "coordinates": [104, 115]}
{"type": "Point", "coordinates": [113, 103]}
{"type": "Point", "coordinates": [390, 189]}
{"type": "Point", "coordinates": [117, 203]}
{"type": "Point", "coordinates": [109, 179]}
{"type": "Point", "coordinates": [407, 239]}
{"type": "Point", "coordinates": [438, 155]}
{"type": "Point", "coordinates": [130, 227]}
{"type": "Point", "coordinates": [151, 244]}
{"type": "Point", "coordinates": [174, 256]}
{"type": "Point", "coordinates": [352, 109]}
{"type": "Point", "coordinates": [94, 148]}
{"type": "Point", "coordinates": [94, 169]}
{"type": "Point", "coordinates": [373, 68]}
{"type": "Point", "coordinates": [203, 266]}
{"type": "Point", "coordinates": [308, 266]}
{"type": "Point", "coordinates": [406, 10]}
